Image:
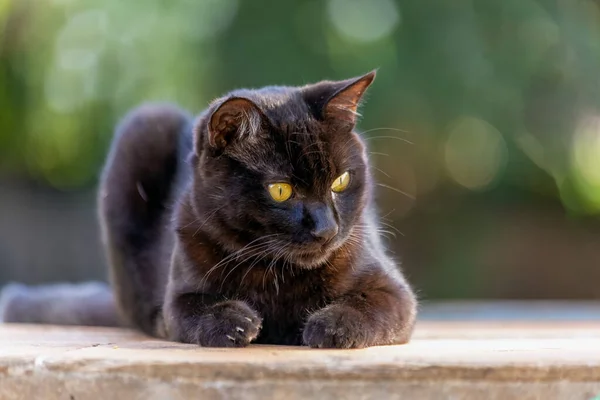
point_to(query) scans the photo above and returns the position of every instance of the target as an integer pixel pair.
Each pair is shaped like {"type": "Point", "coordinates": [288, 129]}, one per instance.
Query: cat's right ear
{"type": "Point", "coordinates": [231, 120]}
{"type": "Point", "coordinates": [338, 100]}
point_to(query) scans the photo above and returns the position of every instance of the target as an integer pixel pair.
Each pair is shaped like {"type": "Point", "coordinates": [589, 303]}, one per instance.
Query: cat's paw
{"type": "Point", "coordinates": [337, 326]}
{"type": "Point", "coordinates": [229, 324]}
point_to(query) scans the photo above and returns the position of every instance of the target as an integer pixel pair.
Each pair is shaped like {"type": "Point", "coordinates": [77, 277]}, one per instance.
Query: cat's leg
{"type": "Point", "coordinates": [135, 197]}
{"type": "Point", "coordinates": [205, 319]}
{"type": "Point", "coordinates": [379, 310]}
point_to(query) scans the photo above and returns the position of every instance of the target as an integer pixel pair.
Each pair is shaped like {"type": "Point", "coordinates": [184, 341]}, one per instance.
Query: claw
{"type": "Point", "coordinates": [248, 319]}
{"type": "Point", "coordinates": [237, 328]}
{"type": "Point", "coordinates": [230, 338]}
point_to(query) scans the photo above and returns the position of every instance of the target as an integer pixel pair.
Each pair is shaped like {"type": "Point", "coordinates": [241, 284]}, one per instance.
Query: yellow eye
{"type": "Point", "coordinates": [280, 191]}
{"type": "Point", "coordinates": [341, 182]}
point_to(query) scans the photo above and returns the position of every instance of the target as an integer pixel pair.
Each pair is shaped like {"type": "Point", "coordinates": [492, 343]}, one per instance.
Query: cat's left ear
{"type": "Point", "coordinates": [338, 100]}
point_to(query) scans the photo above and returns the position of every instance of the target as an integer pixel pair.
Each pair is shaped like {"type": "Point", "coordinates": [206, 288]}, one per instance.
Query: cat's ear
{"type": "Point", "coordinates": [338, 100]}
{"type": "Point", "coordinates": [343, 104]}
{"type": "Point", "coordinates": [233, 118]}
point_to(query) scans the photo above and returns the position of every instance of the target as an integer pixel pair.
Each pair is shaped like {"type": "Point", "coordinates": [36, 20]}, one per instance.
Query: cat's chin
{"type": "Point", "coordinates": [310, 259]}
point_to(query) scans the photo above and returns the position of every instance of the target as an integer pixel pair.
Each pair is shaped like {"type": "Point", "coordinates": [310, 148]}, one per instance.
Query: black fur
{"type": "Point", "coordinates": [200, 252]}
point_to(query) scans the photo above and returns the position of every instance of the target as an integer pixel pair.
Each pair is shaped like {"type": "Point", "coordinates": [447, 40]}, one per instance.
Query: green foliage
{"type": "Point", "coordinates": [492, 93]}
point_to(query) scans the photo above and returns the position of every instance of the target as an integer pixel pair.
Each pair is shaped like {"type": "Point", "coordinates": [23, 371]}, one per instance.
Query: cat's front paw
{"type": "Point", "coordinates": [337, 326]}
{"type": "Point", "coordinates": [228, 324]}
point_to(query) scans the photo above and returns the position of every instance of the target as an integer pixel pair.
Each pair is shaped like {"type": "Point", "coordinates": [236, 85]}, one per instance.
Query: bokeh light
{"type": "Point", "coordinates": [586, 161]}
{"type": "Point", "coordinates": [208, 18]}
{"type": "Point", "coordinates": [364, 21]}
{"type": "Point", "coordinates": [536, 36]}
{"type": "Point", "coordinates": [474, 152]}
{"type": "Point", "coordinates": [81, 41]}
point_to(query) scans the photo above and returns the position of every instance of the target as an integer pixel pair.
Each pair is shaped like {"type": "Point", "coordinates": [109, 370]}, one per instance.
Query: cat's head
{"type": "Point", "coordinates": [281, 171]}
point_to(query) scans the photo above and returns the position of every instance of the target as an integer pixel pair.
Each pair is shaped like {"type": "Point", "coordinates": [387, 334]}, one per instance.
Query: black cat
{"type": "Point", "coordinates": [253, 223]}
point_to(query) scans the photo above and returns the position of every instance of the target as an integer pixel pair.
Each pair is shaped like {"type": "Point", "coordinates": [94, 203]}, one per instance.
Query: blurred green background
{"type": "Point", "coordinates": [483, 123]}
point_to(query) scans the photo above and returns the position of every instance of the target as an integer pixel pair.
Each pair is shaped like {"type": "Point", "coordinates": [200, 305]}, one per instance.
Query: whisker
{"type": "Point", "coordinates": [250, 246]}
{"type": "Point", "coordinates": [396, 190]}
{"type": "Point", "coordinates": [389, 213]}
{"type": "Point", "coordinates": [384, 233]}
{"type": "Point", "coordinates": [182, 203]}
{"type": "Point", "coordinates": [382, 171]}
{"type": "Point", "coordinates": [270, 268]}
{"type": "Point", "coordinates": [379, 154]}
{"type": "Point", "coordinates": [303, 155]}
{"type": "Point", "coordinates": [289, 260]}
{"type": "Point", "coordinates": [263, 255]}
{"type": "Point", "coordinates": [212, 214]}
{"type": "Point", "coordinates": [241, 262]}
{"type": "Point", "coordinates": [392, 227]}
{"type": "Point", "coordinates": [225, 262]}
{"type": "Point", "coordinates": [389, 137]}
{"type": "Point", "coordinates": [383, 128]}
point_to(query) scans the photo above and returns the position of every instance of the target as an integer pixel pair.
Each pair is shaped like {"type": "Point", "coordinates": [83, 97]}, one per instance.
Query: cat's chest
{"type": "Point", "coordinates": [285, 307]}
{"type": "Point", "coordinates": [284, 299]}
{"type": "Point", "coordinates": [286, 295]}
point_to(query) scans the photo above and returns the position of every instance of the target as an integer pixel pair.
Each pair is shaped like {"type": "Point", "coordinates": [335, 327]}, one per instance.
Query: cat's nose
{"type": "Point", "coordinates": [324, 225]}
{"type": "Point", "coordinates": [325, 233]}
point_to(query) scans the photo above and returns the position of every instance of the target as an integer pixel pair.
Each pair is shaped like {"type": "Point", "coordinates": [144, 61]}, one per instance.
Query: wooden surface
{"type": "Point", "coordinates": [446, 359]}
{"type": "Point", "coordinates": [510, 310]}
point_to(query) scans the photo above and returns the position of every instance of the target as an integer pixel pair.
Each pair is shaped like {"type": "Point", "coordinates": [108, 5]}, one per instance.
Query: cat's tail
{"type": "Point", "coordinates": [90, 304]}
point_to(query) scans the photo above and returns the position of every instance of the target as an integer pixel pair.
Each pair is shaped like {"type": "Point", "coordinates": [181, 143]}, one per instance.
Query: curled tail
{"type": "Point", "coordinates": [90, 304]}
